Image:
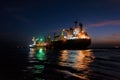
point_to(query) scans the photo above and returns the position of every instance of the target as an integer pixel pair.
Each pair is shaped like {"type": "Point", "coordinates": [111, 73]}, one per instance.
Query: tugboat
{"type": "Point", "coordinates": [73, 38]}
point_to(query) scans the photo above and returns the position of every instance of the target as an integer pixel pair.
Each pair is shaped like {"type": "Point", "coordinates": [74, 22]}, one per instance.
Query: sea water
{"type": "Point", "coordinates": [42, 64]}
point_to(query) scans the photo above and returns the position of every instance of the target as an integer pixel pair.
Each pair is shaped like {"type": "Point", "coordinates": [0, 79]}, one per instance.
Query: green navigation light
{"type": "Point", "coordinates": [41, 39]}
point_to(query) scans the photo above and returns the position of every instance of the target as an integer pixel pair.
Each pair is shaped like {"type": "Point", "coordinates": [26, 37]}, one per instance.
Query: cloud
{"type": "Point", "coordinates": [116, 35]}
{"type": "Point", "coordinates": [105, 23]}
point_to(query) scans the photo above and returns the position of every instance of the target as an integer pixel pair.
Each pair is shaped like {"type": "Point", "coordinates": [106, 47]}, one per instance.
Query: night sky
{"type": "Point", "coordinates": [20, 20]}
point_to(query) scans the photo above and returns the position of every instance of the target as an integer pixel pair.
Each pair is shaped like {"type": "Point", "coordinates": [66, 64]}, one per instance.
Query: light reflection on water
{"type": "Point", "coordinates": [43, 64]}
{"type": "Point", "coordinates": [41, 54]}
{"type": "Point", "coordinates": [74, 63]}
{"type": "Point", "coordinates": [78, 60]}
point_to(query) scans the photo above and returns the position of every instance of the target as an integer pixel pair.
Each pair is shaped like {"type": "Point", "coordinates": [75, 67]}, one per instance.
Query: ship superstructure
{"type": "Point", "coordinates": [38, 43]}
{"type": "Point", "coordinates": [77, 32]}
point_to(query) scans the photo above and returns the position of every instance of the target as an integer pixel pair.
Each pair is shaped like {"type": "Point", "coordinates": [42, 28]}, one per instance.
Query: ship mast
{"type": "Point", "coordinates": [81, 27]}
{"type": "Point", "coordinates": [76, 23]}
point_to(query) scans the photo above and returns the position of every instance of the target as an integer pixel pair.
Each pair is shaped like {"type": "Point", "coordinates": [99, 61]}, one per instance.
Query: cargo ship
{"type": "Point", "coordinates": [72, 38]}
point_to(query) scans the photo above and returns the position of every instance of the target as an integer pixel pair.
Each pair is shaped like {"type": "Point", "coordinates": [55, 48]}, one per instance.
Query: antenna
{"type": "Point", "coordinates": [76, 22]}
{"type": "Point", "coordinates": [81, 27]}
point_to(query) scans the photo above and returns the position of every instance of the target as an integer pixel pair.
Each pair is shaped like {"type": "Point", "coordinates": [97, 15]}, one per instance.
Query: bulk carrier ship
{"type": "Point", "coordinates": [72, 38]}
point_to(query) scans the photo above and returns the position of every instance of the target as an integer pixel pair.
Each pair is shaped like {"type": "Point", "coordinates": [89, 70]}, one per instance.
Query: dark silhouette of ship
{"type": "Point", "coordinates": [73, 38]}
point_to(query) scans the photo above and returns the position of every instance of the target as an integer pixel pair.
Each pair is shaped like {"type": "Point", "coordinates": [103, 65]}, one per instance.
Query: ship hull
{"type": "Point", "coordinates": [71, 44]}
